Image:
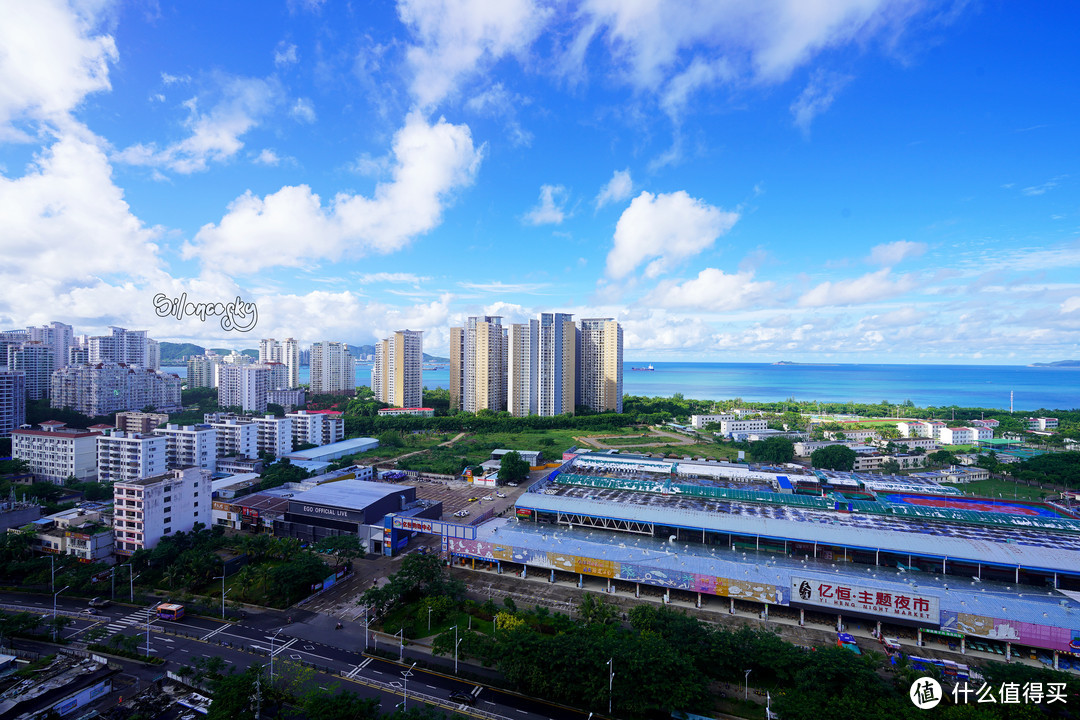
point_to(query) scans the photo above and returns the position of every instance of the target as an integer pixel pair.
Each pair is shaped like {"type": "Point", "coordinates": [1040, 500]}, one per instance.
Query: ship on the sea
{"type": "Point", "coordinates": [646, 369]}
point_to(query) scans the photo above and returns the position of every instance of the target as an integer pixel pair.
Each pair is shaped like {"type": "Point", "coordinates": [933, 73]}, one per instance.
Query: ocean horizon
{"type": "Point", "coordinates": [984, 386]}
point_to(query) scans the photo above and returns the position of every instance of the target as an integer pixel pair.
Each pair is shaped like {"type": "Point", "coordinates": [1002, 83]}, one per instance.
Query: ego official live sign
{"type": "Point", "coordinates": [845, 596]}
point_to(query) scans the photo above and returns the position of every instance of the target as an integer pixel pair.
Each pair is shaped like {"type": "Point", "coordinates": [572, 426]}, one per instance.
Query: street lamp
{"type": "Point", "coordinates": [54, 609]}
{"type": "Point", "coordinates": [223, 593]}
{"type": "Point", "coordinates": [746, 686]}
{"type": "Point", "coordinates": [429, 618]}
{"type": "Point", "coordinates": [406, 674]}
{"type": "Point", "coordinates": [456, 641]}
{"type": "Point", "coordinates": [610, 682]}
{"type": "Point", "coordinates": [131, 568]}
{"type": "Point", "coordinates": [149, 615]}
{"type": "Point", "coordinates": [272, 638]}
{"type": "Point", "coordinates": [401, 645]}
{"type": "Point", "coordinates": [365, 627]}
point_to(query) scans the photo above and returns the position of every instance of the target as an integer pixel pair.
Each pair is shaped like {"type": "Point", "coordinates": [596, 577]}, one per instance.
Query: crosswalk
{"type": "Point", "coordinates": [138, 617]}
{"type": "Point", "coordinates": [356, 670]}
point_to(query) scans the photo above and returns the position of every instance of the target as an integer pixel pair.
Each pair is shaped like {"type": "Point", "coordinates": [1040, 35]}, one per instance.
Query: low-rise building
{"type": "Point", "coordinates": [238, 465]}
{"type": "Point", "coordinates": [287, 398]}
{"type": "Point", "coordinates": [149, 509]}
{"type": "Point", "coordinates": [317, 427]}
{"type": "Point", "coordinates": [955, 474]}
{"type": "Point", "coordinates": [731, 428]}
{"type": "Point", "coordinates": [415, 412]}
{"type": "Point", "coordinates": [140, 422]}
{"type": "Point", "coordinates": [81, 533]}
{"type": "Point", "coordinates": [190, 446]}
{"type": "Point", "coordinates": [991, 423]}
{"type": "Point", "coordinates": [1042, 423]}
{"type": "Point", "coordinates": [333, 451]}
{"type": "Point", "coordinates": [14, 513]}
{"type": "Point", "coordinates": [127, 457]}
{"type": "Point", "coordinates": [55, 452]}
{"type": "Point", "coordinates": [926, 443]}
{"type": "Point", "coordinates": [700, 421]}
{"type": "Point", "coordinates": [857, 435]}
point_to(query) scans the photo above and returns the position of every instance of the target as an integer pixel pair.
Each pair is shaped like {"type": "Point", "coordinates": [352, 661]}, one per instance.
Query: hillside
{"type": "Point", "coordinates": [1059, 364]}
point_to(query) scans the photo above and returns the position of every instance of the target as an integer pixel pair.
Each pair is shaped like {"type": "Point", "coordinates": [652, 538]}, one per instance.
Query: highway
{"type": "Point", "coordinates": [337, 655]}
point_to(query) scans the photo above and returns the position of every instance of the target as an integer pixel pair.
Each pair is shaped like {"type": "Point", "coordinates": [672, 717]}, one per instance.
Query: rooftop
{"type": "Point", "coordinates": [352, 494]}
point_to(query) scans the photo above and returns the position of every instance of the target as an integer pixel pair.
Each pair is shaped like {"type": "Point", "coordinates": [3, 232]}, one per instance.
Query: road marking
{"type": "Point", "coordinates": [214, 632]}
{"type": "Point", "coordinates": [377, 672]}
{"type": "Point", "coordinates": [476, 691]}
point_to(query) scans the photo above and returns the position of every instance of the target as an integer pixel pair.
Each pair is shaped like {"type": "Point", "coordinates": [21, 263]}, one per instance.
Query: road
{"type": "Point", "coordinates": [310, 639]}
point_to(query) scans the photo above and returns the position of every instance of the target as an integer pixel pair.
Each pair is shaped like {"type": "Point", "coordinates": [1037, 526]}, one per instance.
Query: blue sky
{"type": "Point", "coordinates": [851, 181]}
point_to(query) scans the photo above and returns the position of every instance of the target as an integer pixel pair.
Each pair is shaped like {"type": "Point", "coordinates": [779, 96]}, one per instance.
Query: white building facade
{"type": "Point", "coordinates": [55, 453]}
{"type": "Point", "coordinates": [127, 457]}
{"type": "Point", "coordinates": [149, 509]}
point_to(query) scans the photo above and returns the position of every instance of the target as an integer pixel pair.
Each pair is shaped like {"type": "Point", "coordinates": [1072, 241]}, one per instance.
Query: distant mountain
{"type": "Point", "coordinates": [173, 354]}
{"type": "Point", "coordinates": [1058, 364]}
{"type": "Point", "coordinates": [364, 350]}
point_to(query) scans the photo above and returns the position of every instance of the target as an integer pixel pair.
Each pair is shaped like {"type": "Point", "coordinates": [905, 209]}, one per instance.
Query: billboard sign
{"type": "Point", "coordinates": [847, 596]}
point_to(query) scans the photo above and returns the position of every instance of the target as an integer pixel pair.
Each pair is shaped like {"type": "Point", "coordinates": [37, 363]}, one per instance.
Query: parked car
{"type": "Point", "coordinates": [463, 697]}
{"type": "Point", "coordinates": [472, 499]}
{"type": "Point", "coordinates": [487, 498]}
{"type": "Point", "coordinates": [499, 494]}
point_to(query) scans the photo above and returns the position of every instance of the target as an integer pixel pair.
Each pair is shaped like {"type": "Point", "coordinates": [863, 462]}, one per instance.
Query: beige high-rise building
{"type": "Point", "coordinates": [287, 353]}
{"type": "Point", "coordinates": [522, 368]}
{"type": "Point", "coordinates": [457, 367]}
{"type": "Point", "coordinates": [332, 368]}
{"type": "Point", "coordinates": [397, 378]}
{"type": "Point", "coordinates": [600, 364]}
{"type": "Point", "coordinates": [557, 375]}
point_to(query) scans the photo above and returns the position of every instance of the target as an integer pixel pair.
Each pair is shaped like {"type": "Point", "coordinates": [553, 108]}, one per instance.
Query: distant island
{"type": "Point", "coordinates": [176, 354]}
{"type": "Point", "coordinates": [1058, 364]}
{"type": "Point", "coordinates": [789, 362]}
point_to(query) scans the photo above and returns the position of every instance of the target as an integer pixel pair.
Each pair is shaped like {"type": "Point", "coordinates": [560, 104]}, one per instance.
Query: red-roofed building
{"type": "Point", "coordinates": [56, 452]}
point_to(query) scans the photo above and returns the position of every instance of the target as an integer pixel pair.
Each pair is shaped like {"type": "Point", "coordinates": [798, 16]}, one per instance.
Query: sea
{"type": "Point", "coordinates": [983, 386]}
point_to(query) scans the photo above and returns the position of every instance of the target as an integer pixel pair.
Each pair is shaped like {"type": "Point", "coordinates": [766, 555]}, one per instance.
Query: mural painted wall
{"type": "Point", "coordinates": [1015, 631]}
{"type": "Point", "coordinates": [631, 572]}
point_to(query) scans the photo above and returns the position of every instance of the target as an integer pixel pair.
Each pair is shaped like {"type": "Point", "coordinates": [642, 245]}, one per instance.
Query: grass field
{"type": "Point", "coordinates": [1002, 488]}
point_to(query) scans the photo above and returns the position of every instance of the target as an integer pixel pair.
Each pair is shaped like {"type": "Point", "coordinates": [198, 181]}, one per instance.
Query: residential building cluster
{"type": "Point", "coordinates": [547, 366]}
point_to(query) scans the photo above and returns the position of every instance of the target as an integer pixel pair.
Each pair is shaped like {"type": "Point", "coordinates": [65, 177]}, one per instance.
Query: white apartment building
{"type": "Point", "coordinates": [12, 400]}
{"type": "Point", "coordinates": [317, 427]}
{"type": "Point", "coordinates": [1041, 423]}
{"type": "Point", "coordinates": [287, 399]}
{"type": "Point", "coordinates": [58, 337]}
{"type": "Point", "coordinates": [78, 356]}
{"type": "Point", "coordinates": [397, 377]}
{"type": "Point", "coordinates": [122, 346]}
{"type": "Point", "coordinates": [35, 359]}
{"type": "Point", "coordinates": [147, 510]}
{"type": "Point", "coordinates": [236, 437]}
{"type": "Point", "coordinates": [190, 446]}
{"type": "Point", "coordinates": [700, 421]}
{"type": "Point", "coordinates": [139, 422]}
{"type": "Point", "coordinates": [600, 364]}
{"type": "Point", "coordinates": [106, 388]}
{"type": "Point", "coordinates": [991, 423]}
{"type": "Point", "coordinates": [733, 427]}
{"type": "Point", "coordinates": [557, 378]}
{"type": "Point", "coordinates": [127, 457]}
{"type": "Point", "coordinates": [332, 368]}
{"type": "Point", "coordinates": [274, 435]}
{"type": "Point", "coordinates": [153, 354]}
{"type": "Point", "coordinates": [202, 370]}
{"type": "Point", "coordinates": [858, 435]}
{"type": "Point", "coordinates": [523, 369]}
{"type": "Point", "coordinates": [288, 354]}
{"type": "Point", "coordinates": [926, 443]}
{"type": "Point", "coordinates": [244, 386]}
{"type": "Point", "coordinates": [956, 436]}
{"type": "Point", "coordinates": [9, 338]}
{"type": "Point", "coordinates": [55, 453]}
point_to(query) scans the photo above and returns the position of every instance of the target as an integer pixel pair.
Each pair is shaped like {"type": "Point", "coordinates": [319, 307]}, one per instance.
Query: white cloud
{"type": "Point", "coordinates": [1044, 188]}
{"type": "Point", "coordinates": [497, 286]}
{"type": "Point", "coordinates": [1071, 304]}
{"type": "Point", "coordinates": [549, 208]}
{"type": "Point", "coordinates": [871, 287]}
{"type": "Point", "coordinates": [457, 38]}
{"type": "Point", "coordinates": [749, 42]}
{"type": "Point", "coordinates": [387, 277]}
{"type": "Point", "coordinates": [51, 60]}
{"type": "Point", "coordinates": [668, 227]}
{"type": "Point", "coordinates": [303, 111]}
{"type": "Point", "coordinates": [712, 290]}
{"type": "Point", "coordinates": [215, 135]}
{"type": "Point", "coordinates": [168, 79]}
{"type": "Point", "coordinates": [285, 54]}
{"type": "Point", "coordinates": [889, 254]}
{"type": "Point", "coordinates": [618, 188]}
{"type": "Point", "coordinates": [497, 102]}
{"type": "Point", "coordinates": [817, 97]}
{"type": "Point", "coordinates": [267, 157]}
{"type": "Point", "coordinates": [292, 228]}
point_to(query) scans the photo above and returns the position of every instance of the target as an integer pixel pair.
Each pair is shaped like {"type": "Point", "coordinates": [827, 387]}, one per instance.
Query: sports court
{"type": "Point", "coordinates": [1011, 507]}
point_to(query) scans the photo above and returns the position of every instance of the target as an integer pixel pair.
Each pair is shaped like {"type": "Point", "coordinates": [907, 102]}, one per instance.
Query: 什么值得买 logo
{"type": "Point", "coordinates": [236, 315]}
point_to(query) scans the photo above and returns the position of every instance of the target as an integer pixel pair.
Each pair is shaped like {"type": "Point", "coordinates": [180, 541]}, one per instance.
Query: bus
{"type": "Point", "coordinates": [170, 611]}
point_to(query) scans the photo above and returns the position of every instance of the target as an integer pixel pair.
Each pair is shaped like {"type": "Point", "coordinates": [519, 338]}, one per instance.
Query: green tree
{"type": "Point", "coordinates": [773, 450]}
{"type": "Point", "coordinates": [833, 457]}
{"type": "Point", "coordinates": [512, 468]}
{"type": "Point", "coordinates": [342, 547]}
{"type": "Point", "coordinates": [890, 467]}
